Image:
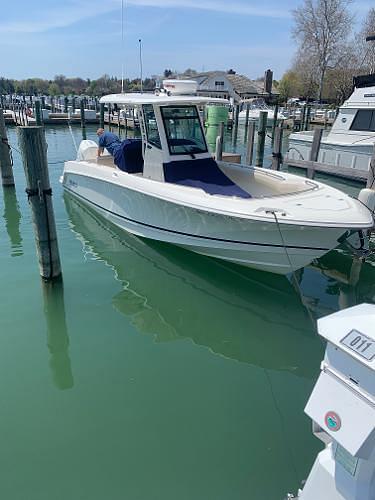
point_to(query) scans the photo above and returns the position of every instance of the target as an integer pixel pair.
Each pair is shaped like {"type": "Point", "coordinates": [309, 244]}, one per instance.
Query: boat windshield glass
{"type": "Point", "coordinates": [364, 120]}
{"type": "Point", "coordinates": [183, 130]}
{"type": "Point", "coordinates": [151, 125]}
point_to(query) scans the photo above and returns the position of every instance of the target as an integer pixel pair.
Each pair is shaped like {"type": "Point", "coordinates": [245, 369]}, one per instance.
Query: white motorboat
{"type": "Point", "coordinates": [167, 187]}
{"type": "Point", "coordinates": [351, 140]}
{"type": "Point", "coordinates": [256, 105]}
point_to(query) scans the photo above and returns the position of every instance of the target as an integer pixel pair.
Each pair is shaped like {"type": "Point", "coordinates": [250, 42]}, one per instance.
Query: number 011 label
{"type": "Point", "coordinates": [360, 343]}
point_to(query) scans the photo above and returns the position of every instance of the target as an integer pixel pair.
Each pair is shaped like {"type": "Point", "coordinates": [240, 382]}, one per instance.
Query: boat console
{"type": "Point", "coordinates": [342, 408]}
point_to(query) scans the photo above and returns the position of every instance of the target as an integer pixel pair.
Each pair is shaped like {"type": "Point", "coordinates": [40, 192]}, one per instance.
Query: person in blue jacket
{"type": "Point", "coordinates": [107, 140]}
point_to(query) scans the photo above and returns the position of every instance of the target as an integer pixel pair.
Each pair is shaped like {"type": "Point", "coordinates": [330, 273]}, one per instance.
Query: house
{"type": "Point", "coordinates": [230, 85]}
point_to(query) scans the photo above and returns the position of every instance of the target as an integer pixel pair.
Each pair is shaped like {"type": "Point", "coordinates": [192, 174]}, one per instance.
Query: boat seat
{"type": "Point", "coordinates": [202, 173]}
{"type": "Point", "coordinates": [129, 156]}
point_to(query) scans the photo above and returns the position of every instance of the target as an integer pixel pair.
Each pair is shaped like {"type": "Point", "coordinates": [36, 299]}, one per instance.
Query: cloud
{"type": "Point", "coordinates": [242, 8]}
{"type": "Point", "coordinates": [75, 11]}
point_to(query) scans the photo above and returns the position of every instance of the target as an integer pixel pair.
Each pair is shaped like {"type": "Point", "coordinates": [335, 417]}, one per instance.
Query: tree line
{"type": "Point", "coordinates": [329, 54]}
{"type": "Point", "coordinates": [61, 85]}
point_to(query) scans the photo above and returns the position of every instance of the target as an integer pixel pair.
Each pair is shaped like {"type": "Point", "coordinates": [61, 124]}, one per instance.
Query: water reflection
{"type": "Point", "coordinates": [241, 314]}
{"type": "Point", "coordinates": [346, 281]}
{"type": "Point", "coordinates": [12, 217]}
{"type": "Point", "coordinates": [57, 334]}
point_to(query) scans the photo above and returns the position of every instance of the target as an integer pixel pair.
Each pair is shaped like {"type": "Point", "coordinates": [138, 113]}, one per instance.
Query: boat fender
{"type": "Point", "coordinates": [367, 197]}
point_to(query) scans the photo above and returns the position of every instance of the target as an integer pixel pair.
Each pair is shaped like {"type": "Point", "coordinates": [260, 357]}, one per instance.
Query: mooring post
{"type": "Point", "coordinates": [307, 122]}
{"type": "Point", "coordinates": [101, 116]}
{"type": "Point", "coordinates": [274, 124]}
{"type": "Point", "coordinates": [65, 104]}
{"type": "Point", "coordinates": [247, 120]}
{"type": "Point", "coordinates": [371, 173]}
{"type": "Point", "coordinates": [236, 118]}
{"type": "Point", "coordinates": [303, 117]}
{"type": "Point", "coordinates": [5, 154]}
{"type": "Point", "coordinates": [314, 151]}
{"type": "Point", "coordinates": [34, 154]}
{"type": "Point", "coordinates": [83, 121]}
{"type": "Point", "coordinates": [38, 114]}
{"type": "Point", "coordinates": [219, 143]}
{"type": "Point", "coordinates": [262, 125]}
{"type": "Point", "coordinates": [2, 100]}
{"type": "Point", "coordinates": [276, 154]}
{"type": "Point", "coordinates": [118, 123]}
{"type": "Point", "coordinates": [250, 143]}
{"type": "Point", "coordinates": [43, 102]}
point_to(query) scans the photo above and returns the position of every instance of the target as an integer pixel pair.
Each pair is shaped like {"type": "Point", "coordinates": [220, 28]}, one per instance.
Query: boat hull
{"type": "Point", "coordinates": [268, 246]}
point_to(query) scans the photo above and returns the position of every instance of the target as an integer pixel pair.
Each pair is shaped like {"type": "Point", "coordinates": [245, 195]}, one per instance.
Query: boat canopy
{"type": "Point", "coordinates": [137, 99]}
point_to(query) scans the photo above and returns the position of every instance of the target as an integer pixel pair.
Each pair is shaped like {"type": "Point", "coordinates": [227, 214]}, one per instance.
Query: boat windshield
{"type": "Point", "coordinates": [183, 130]}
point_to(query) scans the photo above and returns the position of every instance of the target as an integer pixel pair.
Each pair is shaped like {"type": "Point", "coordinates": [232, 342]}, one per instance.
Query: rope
{"type": "Point", "coordinates": [295, 280]}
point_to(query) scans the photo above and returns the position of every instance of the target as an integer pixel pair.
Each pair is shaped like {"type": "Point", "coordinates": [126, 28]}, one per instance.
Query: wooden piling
{"type": "Point", "coordinates": [219, 143]}
{"type": "Point", "coordinates": [101, 116]}
{"type": "Point", "coordinates": [307, 121]}
{"type": "Point", "coordinates": [7, 178]}
{"type": "Point", "coordinates": [314, 151]}
{"type": "Point", "coordinates": [371, 174]}
{"type": "Point", "coordinates": [34, 154]}
{"type": "Point", "coordinates": [262, 126]}
{"type": "Point", "coordinates": [236, 118]}
{"type": "Point", "coordinates": [65, 104]}
{"type": "Point", "coordinates": [274, 124]}
{"type": "Point", "coordinates": [38, 114]}
{"type": "Point", "coordinates": [250, 143]}
{"type": "Point", "coordinates": [276, 154]}
{"type": "Point", "coordinates": [247, 120]}
{"type": "Point", "coordinates": [83, 121]}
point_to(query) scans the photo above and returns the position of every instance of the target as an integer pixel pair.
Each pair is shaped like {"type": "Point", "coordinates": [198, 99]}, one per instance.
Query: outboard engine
{"type": "Point", "coordinates": [87, 150]}
{"type": "Point", "coordinates": [342, 408]}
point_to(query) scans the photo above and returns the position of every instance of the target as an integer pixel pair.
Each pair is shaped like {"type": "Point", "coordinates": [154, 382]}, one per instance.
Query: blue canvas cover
{"type": "Point", "coordinates": [128, 156]}
{"type": "Point", "coordinates": [204, 174]}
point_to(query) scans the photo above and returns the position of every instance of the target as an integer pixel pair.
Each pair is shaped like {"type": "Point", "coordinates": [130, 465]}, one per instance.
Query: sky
{"type": "Point", "coordinates": [44, 38]}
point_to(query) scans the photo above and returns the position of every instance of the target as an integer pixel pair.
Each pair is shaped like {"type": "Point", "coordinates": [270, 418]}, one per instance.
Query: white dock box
{"type": "Point", "coordinates": [343, 400]}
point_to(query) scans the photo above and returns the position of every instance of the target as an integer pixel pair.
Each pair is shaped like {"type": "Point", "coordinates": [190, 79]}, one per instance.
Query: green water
{"type": "Point", "coordinates": [153, 373]}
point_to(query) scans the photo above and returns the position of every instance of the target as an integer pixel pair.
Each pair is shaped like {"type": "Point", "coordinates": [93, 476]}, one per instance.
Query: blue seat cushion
{"type": "Point", "coordinates": [128, 156]}
{"type": "Point", "coordinates": [204, 174]}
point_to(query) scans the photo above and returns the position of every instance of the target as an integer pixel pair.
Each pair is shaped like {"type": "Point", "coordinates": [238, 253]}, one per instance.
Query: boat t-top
{"type": "Point", "coordinates": [168, 187]}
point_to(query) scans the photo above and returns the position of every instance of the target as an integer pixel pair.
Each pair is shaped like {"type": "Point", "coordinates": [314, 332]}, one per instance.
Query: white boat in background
{"type": "Point", "coordinates": [256, 105]}
{"type": "Point", "coordinates": [350, 142]}
{"type": "Point", "coordinates": [166, 186]}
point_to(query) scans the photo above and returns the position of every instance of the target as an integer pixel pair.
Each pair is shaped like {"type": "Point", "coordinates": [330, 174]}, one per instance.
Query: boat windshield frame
{"type": "Point", "coordinates": [186, 149]}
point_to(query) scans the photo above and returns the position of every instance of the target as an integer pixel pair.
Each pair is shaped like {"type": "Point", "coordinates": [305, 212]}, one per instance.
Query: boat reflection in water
{"type": "Point", "coordinates": [172, 294]}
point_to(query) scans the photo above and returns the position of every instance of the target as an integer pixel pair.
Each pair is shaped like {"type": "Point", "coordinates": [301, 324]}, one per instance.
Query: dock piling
{"type": "Point", "coordinates": [274, 124]}
{"type": "Point", "coordinates": [83, 122]}
{"type": "Point", "coordinates": [250, 143]}
{"type": "Point", "coordinates": [219, 143]}
{"type": "Point", "coordinates": [276, 153]}
{"type": "Point", "coordinates": [7, 177]}
{"type": "Point", "coordinates": [262, 125]}
{"type": "Point", "coordinates": [34, 154]}
{"type": "Point", "coordinates": [38, 114]}
{"type": "Point", "coordinates": [101, 116]}
{"type": "Point", "coordinates": [314, 152]}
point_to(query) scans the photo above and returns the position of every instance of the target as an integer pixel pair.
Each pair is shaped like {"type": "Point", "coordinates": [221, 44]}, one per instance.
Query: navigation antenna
{"type": "Point", "coordinates": [140, 62]}
{"type": "Point", "coordinates": [122, 46]}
